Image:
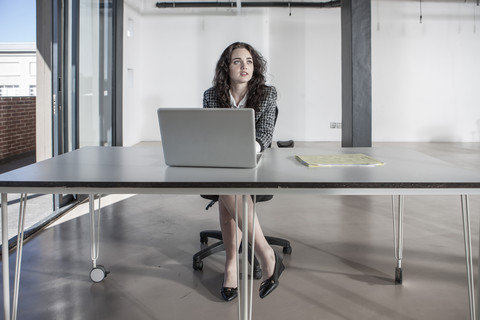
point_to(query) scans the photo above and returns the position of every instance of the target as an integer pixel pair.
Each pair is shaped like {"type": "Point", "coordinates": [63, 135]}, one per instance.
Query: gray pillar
{"type": "Point", "coordinates": [356, 74]}
{"type": "Point", "coordinates": [117, 107]}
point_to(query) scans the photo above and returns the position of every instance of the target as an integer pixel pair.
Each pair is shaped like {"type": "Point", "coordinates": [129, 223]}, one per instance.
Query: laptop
{"type": "Point", "coordinates": [207, 137]}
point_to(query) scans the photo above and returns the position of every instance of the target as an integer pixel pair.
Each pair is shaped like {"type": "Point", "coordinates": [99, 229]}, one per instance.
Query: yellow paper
{"type": "Point", "coordinates": [334, 160]}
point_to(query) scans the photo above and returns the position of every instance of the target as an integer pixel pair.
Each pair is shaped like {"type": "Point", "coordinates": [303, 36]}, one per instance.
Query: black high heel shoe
{"type": "Point", "coordinates": [228, 294]}
{"type": "Point", "coordinates": [271, 283]}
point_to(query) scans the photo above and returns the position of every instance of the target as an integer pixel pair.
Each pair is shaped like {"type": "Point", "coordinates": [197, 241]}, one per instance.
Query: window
{"type": "Point", "coordinates": [9, 90]}
{"type": "Point", "coordinates": [32, 90]}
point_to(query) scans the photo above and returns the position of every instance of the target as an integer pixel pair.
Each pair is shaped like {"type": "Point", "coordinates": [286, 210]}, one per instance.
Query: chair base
{"type": "Point", "coordinates": [218, 246]}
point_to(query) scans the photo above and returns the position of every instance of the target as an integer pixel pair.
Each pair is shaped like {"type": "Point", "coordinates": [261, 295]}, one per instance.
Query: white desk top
{"type": "Point", "coordinates": [143, 170]}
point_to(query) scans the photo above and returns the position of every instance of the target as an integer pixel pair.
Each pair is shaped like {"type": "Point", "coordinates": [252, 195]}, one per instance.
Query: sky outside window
{"type": "Point", "coordinates": [17, 21]}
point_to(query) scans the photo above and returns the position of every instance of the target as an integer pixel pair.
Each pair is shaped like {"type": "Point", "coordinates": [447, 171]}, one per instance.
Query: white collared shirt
{"type": "Point", "coordinates": [242, 102]}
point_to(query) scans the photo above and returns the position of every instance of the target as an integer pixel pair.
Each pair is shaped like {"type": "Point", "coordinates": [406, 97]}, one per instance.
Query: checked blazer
{"type": "Point", "coordinates": [264, 118]}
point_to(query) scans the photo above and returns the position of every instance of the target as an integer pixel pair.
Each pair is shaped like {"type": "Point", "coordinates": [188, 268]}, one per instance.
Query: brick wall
{"type": "Point", "coordinates": [17, 126]}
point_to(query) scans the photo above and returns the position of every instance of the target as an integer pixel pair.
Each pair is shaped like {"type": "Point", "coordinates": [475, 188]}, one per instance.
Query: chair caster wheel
{"type": "Point", "coordinates": [197, 265]}
{"type": "Point", "coordinates": [98, 273]}
{"type": "Point", "coordinates": [257, 274]}
{"type": "Point", "coordinates": [203, 240]}
{"type": "Point", "coordinates": [287, 250]}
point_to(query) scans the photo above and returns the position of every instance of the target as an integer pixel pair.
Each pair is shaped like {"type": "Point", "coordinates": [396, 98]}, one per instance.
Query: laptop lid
{"type": "Point", "coordinates": [207, 137]}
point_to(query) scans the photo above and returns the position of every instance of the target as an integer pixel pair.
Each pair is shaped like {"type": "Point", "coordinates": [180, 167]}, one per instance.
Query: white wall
{"type": "Point", "coordinates": [134, 115]}
{"type": "Point", "coordinates": [424, 75]}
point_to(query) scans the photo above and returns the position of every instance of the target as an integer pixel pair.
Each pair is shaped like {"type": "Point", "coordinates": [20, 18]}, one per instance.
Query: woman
{"type": "Point", "coordinates": [239, 82]}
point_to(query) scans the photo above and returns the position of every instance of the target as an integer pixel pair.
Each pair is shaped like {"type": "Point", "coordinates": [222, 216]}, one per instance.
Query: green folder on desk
{"type": "Point", "coordinates": [338, 160]}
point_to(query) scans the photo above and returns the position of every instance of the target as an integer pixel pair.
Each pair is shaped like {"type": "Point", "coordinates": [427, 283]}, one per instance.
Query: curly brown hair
{"type": "Point", "coordinates": [256, 86]}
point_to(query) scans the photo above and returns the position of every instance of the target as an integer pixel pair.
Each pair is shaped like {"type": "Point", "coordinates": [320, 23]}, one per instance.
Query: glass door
{"type": "Point", "coordinates": [86, 108]}
{"type": "Point", "coordinates": [96, 60]}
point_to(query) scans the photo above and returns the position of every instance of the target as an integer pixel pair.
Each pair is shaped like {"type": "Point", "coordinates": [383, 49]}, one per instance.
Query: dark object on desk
{"type": "Point", "coordinates": [286, 144]}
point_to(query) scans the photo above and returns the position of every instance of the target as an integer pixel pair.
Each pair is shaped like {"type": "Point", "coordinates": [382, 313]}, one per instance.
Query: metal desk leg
{"type": "Point", "coordinates": [252, 257]}
{"type": "Point", "coordinates": [245, 306]}
{"type": "Point", "coordinates": [5, 265]}
{"type": "Point", "coordinates": [468, 254]}
{"type": "Point", "coordinates": [397, 212]}
{"type": "Point", "coordinates": [18, 262]}
{"type": "Point", "coordinates": [5, 255]}
{"type": "Point", "coordinates": [244, 288]}
{"type": "Point", "coordinates": [98, 272]}
{"type": "Point", "coordinates": [245, 296]}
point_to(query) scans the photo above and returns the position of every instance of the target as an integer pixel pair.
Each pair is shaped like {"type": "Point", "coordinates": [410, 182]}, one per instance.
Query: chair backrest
{"type": "Point", "coordinates": [275, 122]}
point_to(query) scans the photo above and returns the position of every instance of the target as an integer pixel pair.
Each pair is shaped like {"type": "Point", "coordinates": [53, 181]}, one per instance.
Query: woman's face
{"type": "Point", "coordinates": [241, 66]}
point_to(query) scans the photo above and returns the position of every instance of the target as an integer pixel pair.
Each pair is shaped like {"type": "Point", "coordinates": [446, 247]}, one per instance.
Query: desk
{"type": "Point", "coordinates": [104, 170]}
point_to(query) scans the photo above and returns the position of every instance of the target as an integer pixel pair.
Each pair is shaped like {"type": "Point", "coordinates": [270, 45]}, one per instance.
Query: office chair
{"type": "Point", "coordinates": [217, 234]}
{"type": "Point", "coordinates": [218, 246]}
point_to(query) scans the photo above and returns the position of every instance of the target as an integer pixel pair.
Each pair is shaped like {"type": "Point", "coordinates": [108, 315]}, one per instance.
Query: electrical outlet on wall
{"type": "Point", "coordinates": [335, 125]}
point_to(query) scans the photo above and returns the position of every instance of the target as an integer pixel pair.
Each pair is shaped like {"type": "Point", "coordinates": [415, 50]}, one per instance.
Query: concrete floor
{"type": "Point", "coordinates": [342, 265]}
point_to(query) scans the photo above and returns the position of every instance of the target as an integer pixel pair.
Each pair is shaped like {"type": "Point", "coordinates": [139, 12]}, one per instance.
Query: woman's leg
{"type": "Point", "coordinates": [263, 251]}
{"type": "Point", "coordinates": [228, 227]}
